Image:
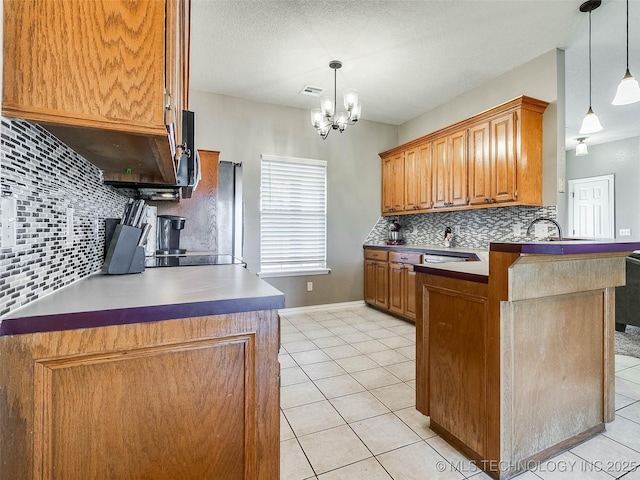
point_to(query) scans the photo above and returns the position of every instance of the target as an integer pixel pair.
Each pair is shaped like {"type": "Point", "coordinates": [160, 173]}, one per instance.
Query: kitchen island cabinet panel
{"type": "Point", "coordinates": [519, 369]}
{"type": "Point", "coordinates": [185, 398]}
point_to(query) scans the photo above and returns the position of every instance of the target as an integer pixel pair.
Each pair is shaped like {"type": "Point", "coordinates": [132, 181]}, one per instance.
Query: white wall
{"type": "Point", "coordinates": [241, 130]}
{"type": "Point", "coordinates": [541, 78]}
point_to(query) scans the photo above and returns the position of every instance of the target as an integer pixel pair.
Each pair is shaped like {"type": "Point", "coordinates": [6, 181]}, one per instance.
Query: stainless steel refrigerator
{"type": "Point", "coordinates": [230, 209]}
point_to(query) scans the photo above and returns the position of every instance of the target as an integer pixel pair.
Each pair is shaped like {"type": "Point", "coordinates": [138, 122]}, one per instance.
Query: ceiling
{"type": "Point", "coordinates": [407, 57]}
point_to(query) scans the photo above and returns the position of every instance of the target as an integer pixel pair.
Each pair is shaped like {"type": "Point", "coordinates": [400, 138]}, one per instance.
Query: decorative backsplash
{"type": "Point", "coordinates": [46, 177]}
{"type": "Point", "coordinates": [477, 227]}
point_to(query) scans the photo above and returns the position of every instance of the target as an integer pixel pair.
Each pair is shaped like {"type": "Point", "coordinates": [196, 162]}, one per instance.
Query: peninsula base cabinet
{"type": "Point", "coordinates": [184, 398]}
{"type": "Point", "coordinates": [519, 367]}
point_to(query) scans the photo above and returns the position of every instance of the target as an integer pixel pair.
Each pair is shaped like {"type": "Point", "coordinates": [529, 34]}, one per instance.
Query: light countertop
{"type": "Point", "coordinates": [155, 294]}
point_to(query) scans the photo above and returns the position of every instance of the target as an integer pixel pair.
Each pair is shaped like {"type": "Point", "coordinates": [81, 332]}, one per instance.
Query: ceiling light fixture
{"type": "Point", "coordinates": [325, 118]}
{"type": "Point", "coordinates": [628, 89]}
{"type": "Point", "coordinates": [581, 148]}
{"type": "Point", "coordinates": [590, 123]}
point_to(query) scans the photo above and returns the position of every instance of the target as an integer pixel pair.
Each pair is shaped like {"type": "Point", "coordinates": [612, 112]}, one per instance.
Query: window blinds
{"type": "Point", "coordinates": [293, 215]}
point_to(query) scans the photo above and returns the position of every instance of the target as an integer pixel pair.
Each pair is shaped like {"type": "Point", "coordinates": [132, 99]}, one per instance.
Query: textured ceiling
{"type": "Point", "coordinates": [407, 57]}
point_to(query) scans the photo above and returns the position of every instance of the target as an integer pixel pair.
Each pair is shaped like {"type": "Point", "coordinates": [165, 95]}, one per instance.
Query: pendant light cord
{"type": "Point", "coordinates": [627, 35]}
{"type": "Point", "coordinates": [589, 59]}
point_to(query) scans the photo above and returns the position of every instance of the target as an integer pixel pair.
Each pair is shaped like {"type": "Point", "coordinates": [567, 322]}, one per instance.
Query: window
{"type": "Point", "coordinates": [293, 216]}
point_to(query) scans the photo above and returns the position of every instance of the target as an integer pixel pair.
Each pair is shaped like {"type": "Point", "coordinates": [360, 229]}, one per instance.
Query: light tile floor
{"type": "Point", "coordinates": [348, 409]}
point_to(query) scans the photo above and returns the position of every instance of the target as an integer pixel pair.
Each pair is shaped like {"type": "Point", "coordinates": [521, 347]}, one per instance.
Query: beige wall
{"type": "Point", "coordinates": [542, 78]}
{"type": "Point", "coordinates": [242, 130]}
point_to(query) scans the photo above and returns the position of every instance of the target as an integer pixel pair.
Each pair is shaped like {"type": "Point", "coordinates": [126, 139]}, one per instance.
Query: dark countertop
{"type": "Point", "coordinates": [156, 294]}
{"type": "Point", "coordinates": [568, 247]}
{"type": "Point", "coordinates": [478, 271]}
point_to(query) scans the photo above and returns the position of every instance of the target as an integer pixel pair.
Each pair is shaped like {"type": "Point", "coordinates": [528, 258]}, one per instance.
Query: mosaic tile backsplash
{"type": "Point", "coordinates": [46, 178]}
{"type": "Point", "coordinates": [478, 228]}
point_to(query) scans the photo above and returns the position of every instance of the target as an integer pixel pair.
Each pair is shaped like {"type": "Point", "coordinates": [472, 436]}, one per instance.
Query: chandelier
{"type": "Point", "coordinates": [325, 118]}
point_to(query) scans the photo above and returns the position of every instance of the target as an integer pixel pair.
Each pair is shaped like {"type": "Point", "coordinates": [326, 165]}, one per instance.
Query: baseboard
{"type": "Point", "coordinates": [326, 306]}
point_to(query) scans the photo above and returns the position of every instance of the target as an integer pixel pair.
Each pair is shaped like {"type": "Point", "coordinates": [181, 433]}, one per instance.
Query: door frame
{"type": "Point", "coordinates": [612, 208]}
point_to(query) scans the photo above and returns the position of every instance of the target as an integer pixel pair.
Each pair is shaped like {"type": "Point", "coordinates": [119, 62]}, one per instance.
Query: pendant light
{"type": "Point", "coordinates": [628, 89]}
{"type": "Point", "coordinates": [590, 123]}
{"type": "Point", "coordinates": [581, 148]}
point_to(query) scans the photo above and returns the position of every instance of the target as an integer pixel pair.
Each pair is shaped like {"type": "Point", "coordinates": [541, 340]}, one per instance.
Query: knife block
{"type": "Point", "coordinates": [124, 255]}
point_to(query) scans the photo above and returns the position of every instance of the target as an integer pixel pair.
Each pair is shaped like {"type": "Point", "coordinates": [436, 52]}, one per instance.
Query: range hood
{"type": "Point", "coordinates": [187, 175]}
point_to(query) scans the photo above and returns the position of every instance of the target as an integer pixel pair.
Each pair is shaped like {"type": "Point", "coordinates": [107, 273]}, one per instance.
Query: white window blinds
{"type": "Point", "coordinates": [293, 216]}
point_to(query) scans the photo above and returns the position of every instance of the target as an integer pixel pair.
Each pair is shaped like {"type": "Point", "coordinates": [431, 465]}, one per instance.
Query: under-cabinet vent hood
{"type": "Point", "coordinates": [187, 175]}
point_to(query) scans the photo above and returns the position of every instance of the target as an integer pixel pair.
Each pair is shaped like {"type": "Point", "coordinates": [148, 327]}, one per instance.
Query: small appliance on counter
{"type": "Point", "coordinates": [168, 242]}
{"type": "Point", "coordinates": [394, 234]}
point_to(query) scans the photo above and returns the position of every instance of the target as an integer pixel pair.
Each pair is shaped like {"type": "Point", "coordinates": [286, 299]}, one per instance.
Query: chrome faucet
{"type": "Point", "coordinates": [540, 219]}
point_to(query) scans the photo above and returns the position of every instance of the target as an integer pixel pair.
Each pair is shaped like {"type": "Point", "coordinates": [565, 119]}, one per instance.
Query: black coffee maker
{"type": "Point", "coordinates": [169, 227]}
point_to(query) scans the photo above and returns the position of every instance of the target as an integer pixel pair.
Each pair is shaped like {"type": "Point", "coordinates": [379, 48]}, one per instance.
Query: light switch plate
{"type": "Point", "coordinates": [9, 221]}
{"type": "Point", "coordinates": [69, 239]}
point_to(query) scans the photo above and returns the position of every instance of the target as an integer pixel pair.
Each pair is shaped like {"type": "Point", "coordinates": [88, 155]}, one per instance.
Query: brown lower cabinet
{"type": "Point", "coordinates": [185, 398]}
{"type": "Point", "coordinates": [389, 281]}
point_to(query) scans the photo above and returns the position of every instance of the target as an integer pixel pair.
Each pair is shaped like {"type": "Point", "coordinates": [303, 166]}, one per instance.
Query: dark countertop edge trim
{"type": "Point", "coordinates": [434, 251]}
{"type": "Point", "coordinates": [558, 248]}
{"type": "Point", "coordinates": [471, 277]}
{"type": "Point", "coordinates": [126, 316]}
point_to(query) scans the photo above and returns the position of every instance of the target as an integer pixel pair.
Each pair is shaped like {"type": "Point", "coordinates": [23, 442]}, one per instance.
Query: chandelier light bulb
{"type": "Point", "coordinates": [355, 113]}
{"type": "Point", "coordinates": [350, 99]}
{"type": "Point", "coordinates": [317, 119]}
{"type": "Point", "coordinates": [327, 107]}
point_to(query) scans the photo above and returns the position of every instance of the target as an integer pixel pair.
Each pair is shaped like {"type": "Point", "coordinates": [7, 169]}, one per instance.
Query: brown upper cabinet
{"type": "Point", "coordinates": [109, 78]}
{"type": "Point", "coordinates": [490, 159]}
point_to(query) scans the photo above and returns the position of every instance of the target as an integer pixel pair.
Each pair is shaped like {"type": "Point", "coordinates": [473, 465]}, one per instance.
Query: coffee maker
{"type": "Point", "coordinates": [169, 227]}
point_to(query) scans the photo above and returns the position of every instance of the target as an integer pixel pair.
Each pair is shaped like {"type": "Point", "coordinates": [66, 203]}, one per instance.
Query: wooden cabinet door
{"type": "Point", "coordinates": [382, 284]}
{"type": "Point", "coordinates": [387, 185]}
{"type": "Point", "coordinates": [503, 158]}
{"type": "Point", "coordinates": [439, 172]}
{"type": "Point", "coordinates": [457, 162]}
{"type": "Point", "coordinates": [457, 323]}
{"type": "Point", "coordinates": [423, 176]}
{"type": "Point", "coordinates": [370, 290]}
{"type": "Point", "coordinates": [397, 287]}
{"type": "Point", "coordinates": [411, 177]}
{"type": "Point", "coordinates": [100, 85]}
{"type": "Point", "coordinates": [397, 183]}
{"type": "Point", "coordinates": [479, 165]}
{"type": "Point", "coordinates": [410, 293]}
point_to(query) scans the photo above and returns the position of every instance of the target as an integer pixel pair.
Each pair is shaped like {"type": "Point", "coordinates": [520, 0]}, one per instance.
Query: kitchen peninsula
{"type": "Point", "coordinates": [517, 365]}
{"type": "Point", "coordinates": [171, 373]}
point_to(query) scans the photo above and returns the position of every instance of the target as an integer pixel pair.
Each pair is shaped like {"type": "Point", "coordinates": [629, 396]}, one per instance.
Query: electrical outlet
{"type": "Point", "coordinates": [456, 229]}
{"type": "Point", "coordinates": [625, 232]}
{"type": "Point", "coordinates": [541, 231]}
{"type": "Point", "coordinates": [517, 230]}
{"type": "Point", "coordinates": [309, 286]}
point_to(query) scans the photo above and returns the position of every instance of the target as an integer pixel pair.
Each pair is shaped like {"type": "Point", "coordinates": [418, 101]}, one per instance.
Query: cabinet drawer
{"type": "Point", "coordinates": [405, 257]}
{"type": "Point", "coordinates": [376, 254]}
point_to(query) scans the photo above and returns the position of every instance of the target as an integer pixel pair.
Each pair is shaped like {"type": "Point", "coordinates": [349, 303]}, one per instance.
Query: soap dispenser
{"type": "Point", "coordinates": [448, 237]}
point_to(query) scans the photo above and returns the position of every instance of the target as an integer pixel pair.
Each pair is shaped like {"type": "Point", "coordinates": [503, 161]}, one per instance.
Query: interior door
{"type": "Point", "coordinates": [591, 207]}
